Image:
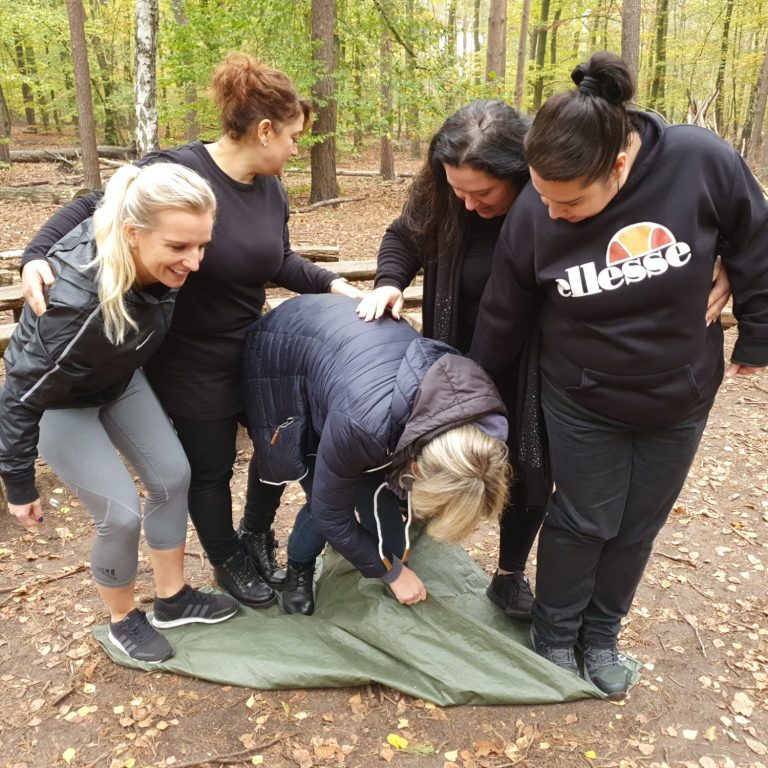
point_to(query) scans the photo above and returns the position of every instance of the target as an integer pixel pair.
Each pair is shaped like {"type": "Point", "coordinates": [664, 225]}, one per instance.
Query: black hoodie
{"type": "Point", "coordinates": [621, 297]}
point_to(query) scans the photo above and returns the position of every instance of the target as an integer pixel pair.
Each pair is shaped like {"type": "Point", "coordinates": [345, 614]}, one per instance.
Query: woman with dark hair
{"type": "Point", "coordinates": [196, 372]}
{"type": "Point", "coordinates": [611, 250]}
{"type": "Point", "coordinates": [474, 171]}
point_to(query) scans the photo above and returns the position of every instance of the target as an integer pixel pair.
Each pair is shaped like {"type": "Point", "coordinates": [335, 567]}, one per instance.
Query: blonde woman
{"type": "Point", "coordinates": [74, 392]}
{"type": "Point", "coordinates": [366, 416]}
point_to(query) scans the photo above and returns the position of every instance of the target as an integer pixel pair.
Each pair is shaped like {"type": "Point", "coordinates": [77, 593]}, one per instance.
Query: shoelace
{"type": "Point", "coordinates": [561, 656]}
{"type": "Point", "coordinates": [138, 628]}
{"type": "Point", "coordinates": [604, 657]}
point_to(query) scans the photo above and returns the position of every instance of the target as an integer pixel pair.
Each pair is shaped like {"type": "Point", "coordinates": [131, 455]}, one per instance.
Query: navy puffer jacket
{"type": "Point", "coordinates": [360, 395]}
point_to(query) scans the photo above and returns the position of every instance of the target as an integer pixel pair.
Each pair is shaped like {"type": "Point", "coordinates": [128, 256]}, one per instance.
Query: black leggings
{"type": "Point", "coordinates": [211, 448]}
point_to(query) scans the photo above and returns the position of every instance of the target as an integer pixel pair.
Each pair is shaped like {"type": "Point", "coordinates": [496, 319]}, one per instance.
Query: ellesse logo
{"type": "Point", "coordinates": [634, 253]}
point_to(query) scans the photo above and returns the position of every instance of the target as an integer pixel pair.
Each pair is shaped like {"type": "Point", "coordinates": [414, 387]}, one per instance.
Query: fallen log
{"type": "Point", "coordinates": [70, 153]}
{"type": "Point", "coordinates": [42, 194]}
{"type": "Point", "coordinates": [323, 203]}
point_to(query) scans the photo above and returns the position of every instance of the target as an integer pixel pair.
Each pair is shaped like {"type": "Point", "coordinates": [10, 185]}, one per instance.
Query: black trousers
{"type": "Point", "coordinates": [211, 449]}
{"type": "Point", "coordinates": [614, 488]}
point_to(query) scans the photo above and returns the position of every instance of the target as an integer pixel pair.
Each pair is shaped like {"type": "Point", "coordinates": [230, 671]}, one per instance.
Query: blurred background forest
{"type": "Point", "coordinates": [397, 67]}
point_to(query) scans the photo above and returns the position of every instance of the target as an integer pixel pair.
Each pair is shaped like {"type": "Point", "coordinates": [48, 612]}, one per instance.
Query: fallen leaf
{"type": "Point", "coordinates": [590, 755]}
{"type": "Point", "coordinates": [68, 755]}
{"type": "Point", "coordinates": [690, 734]}
{"type": "Point", "coordinates": [742, 704]}
{"type": "Point", "coordinates": [396, 741]}
{"type": "Point", "coordinates": [257, 760]}
{"type": "Point", "coordinates": [451, 756]}
{"type": "Point", "coordinates": [756, 746]}
{"type": "Point", "coordinates": [571, 719]}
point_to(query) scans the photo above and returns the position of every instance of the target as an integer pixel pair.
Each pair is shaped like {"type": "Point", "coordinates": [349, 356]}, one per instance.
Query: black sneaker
{"type": "Point", "coordinates": [193, 607]}
{"type": "Point", "coordinates": [565, 658]}
{"type": "Point", "coordinates": [512, 593]}
{"type": "Point", "coordinates": [260, 547]}
{"type": "Point", "coordinates": [604, 668]}
{"type": "Point", "coordinates": [238, 575]}
{"type": "Point", "coordinates": [136, 637]}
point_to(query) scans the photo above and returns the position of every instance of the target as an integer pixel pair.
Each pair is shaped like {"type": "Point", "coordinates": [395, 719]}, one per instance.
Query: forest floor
{"type": "Point", "coordinates": [698, 623]}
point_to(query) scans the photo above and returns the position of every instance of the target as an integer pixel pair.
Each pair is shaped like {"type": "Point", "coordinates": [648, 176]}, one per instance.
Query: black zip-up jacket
{"type": "Point", "coordinates": [63, 359]}
{"type": "Point", "coordinates": [361, 395]}
{"type": "Point", "coordinates": [623, 294]}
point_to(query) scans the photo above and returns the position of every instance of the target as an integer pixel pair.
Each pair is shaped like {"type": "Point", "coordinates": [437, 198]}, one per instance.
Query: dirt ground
{"type": "Point", "coordinates": [698, 623]}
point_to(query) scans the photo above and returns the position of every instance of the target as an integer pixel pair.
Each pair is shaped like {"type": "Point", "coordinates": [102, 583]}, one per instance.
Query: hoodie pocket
{"type": "Point", "coordinates": [652, 399]}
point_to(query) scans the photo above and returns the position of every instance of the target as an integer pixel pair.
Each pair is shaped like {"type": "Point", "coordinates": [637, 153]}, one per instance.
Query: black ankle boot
{"type": "Point", "coordinates": [298, 596]}
{"type": "Point", "coordinates": [260, 547]}
{"type": "Point", "coordinates": [238, 575]}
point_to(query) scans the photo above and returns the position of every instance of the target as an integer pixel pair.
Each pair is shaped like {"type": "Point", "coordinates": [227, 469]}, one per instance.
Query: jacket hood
{"type": "Point", "coordinates": [454, 391]}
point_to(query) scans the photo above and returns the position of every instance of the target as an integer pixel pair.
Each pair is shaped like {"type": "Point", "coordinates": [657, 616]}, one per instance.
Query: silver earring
{"type": "Point", "coordinates": [264, 142]}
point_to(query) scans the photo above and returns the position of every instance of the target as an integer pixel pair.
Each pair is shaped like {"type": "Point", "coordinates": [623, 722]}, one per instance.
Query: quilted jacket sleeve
{"type": "Point", "coordinates": [345, 451]}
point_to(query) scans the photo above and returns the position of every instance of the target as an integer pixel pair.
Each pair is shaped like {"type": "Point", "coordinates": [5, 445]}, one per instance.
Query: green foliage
{"type": "Point", "coordinates": [435, 68]}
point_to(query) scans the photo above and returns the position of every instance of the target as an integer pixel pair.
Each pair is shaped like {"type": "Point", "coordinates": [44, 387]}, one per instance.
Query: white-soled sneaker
{"type": "Point", "coordinates": [136, 637]}
{"type": "Point", "coordinates": [194, 607]}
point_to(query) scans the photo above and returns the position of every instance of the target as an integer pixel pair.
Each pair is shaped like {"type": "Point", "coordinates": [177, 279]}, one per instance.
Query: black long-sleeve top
{"type": "Point", "coordinates": [196, 372]}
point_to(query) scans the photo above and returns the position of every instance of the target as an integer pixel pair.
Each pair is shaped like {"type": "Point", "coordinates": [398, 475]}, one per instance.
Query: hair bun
{"type": "Point", "coordinates": [605, 76]}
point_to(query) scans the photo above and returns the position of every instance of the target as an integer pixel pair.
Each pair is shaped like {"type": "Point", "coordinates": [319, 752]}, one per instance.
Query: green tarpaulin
{"type": "Point", "coordinates": [455, 648]}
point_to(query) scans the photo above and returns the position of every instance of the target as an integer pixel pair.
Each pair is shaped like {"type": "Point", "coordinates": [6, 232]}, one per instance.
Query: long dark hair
{"type": "Point", "coordinates": [485, 135]}
{"type": "Point", "coordinates": [579, 133]}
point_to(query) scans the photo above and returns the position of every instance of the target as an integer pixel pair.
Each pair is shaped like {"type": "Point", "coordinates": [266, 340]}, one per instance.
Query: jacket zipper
{"type": "Point", "coordinates": [285, 424]}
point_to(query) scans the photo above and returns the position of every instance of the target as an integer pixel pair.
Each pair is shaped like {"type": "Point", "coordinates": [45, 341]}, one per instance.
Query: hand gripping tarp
{"type": "Point", "coordinates": [455, 648]}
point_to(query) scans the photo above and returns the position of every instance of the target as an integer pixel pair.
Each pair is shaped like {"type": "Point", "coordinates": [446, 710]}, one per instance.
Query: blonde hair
{"type": "Point", "coordinates": [461, 478]}
{"type": "Point", "coordinates": [136, 195]}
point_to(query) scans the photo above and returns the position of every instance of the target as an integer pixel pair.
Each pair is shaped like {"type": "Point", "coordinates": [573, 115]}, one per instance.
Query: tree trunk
{"type": "Point", "coordinates": [324, 56]}
{"type": "Point", "coordinates": [660, 56]}
{"type": "Point", "coordinates": [387, 162]}
{"type": "Point", "coordinates": [525, 19]}
{"type": "Point", "coordinates": [541, 51]}
{"type": "Point", "coordinates": [83, 90]}
{"type": "Point", "coordinates": [26, 88]}
{"type": "Point", "coordinates": [5, 131]}
{"type": "Point", "coordinates": [147, 16]}
{"type": "Point", "coordinates": [630, 36]}
{"type": "Point", "coordinates": [413, 104]}
{"type": "Point", "coordinates": [496, 50]}
{"type": "Point", "coordinates": [553, 38]}
{"type": "Point", "coordinates": [720, 79]}
{"type": "Point", "coordinates": [476, 37]}
{"type": "Point", "coordinates": [758, 114]}
{"type": "Point", "coordinates": [191, 126]}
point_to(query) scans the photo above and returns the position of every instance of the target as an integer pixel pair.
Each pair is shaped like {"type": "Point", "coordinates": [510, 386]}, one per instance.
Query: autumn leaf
{"type": "Point", "coordinates": [68, 755]}
{"type": "Point", "coordinates": [396, 741]}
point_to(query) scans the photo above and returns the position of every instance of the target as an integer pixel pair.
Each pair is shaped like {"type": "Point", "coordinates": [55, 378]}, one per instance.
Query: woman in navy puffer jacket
{"type": "Point", "coordinates": [363, 414]}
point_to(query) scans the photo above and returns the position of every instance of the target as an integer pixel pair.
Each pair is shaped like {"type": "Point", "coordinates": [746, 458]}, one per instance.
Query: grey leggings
{"type": "Point", "coordinates": [81, 446]}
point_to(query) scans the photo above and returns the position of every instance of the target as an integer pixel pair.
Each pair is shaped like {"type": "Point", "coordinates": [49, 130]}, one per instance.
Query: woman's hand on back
{"type": "Point", "coordinates": [377, 301]}
{"type": "Point", "coordinates": [341, 287]}
{"type": "Point", "coordinates": [36, 276]}
{"type": "Point", "coordinates": [718, 294]}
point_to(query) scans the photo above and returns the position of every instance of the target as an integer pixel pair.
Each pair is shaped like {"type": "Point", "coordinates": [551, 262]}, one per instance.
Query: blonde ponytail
{"type": "Point", "coordinates": [136, 195]}
{"type": "Point", "coordinates": [461, 477]}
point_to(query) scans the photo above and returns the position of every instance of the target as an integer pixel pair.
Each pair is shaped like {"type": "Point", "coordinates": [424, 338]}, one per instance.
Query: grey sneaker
{"type": "Point", "coordinates": [604, 668]}
{"type": "Point", "coordinates": [194, 607]}
{"type": "Point", "coordinates": [512, 593]}
{"type": "Point", "coordinates": [135, 637]}
{"type": "Point", "coordinates": [565, 658]}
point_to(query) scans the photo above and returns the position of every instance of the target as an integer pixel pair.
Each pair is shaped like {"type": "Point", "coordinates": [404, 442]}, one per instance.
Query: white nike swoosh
{"type": "Point", "coordinates": [144, 341]}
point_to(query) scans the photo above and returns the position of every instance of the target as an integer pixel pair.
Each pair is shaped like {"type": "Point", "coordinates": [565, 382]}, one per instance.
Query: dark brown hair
{"type": "Point", "coordinates": [578, 134]}
{"type": "Point", "coordinates": [486, 135]}
{"type": "Point", "coordinates": [247, 92]}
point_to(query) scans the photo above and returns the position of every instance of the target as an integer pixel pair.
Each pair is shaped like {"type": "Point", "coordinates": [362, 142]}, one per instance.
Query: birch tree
{"type": "Point", "coordinates": [147, 15]}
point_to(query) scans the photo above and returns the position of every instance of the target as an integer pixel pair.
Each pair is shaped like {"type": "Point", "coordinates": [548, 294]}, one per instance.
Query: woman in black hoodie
{"type": "Point", "coordinates": [612, 249]}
